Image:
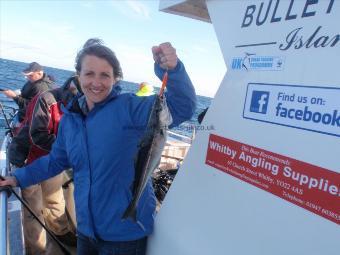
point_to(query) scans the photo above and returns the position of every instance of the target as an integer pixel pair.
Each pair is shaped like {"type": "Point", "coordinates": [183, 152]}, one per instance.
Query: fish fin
{"type": "Point", "coordinates": [130, 212]}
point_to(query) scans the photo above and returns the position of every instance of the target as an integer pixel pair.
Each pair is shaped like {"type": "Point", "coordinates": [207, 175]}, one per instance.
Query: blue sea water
{"type": "Point", "coordinates": [11, 77]}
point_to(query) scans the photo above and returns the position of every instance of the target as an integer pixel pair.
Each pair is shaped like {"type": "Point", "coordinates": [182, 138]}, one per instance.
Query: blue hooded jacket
{"type": "Point", "coordinates": [101, 147]}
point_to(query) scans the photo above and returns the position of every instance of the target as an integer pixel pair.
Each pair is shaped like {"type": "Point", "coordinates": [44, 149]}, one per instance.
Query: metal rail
{"type": "Point", "coordinates": [3, 202]}
{"type": "Point", "coordinates": [179, 137]}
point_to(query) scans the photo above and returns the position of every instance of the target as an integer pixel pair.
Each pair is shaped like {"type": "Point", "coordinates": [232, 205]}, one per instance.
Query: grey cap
{"type": "Point", "coordinates": [32, 67]}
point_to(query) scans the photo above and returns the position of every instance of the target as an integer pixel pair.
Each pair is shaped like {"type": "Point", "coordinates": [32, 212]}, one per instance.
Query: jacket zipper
{"type": "Point", "coordinates": [90, 173]}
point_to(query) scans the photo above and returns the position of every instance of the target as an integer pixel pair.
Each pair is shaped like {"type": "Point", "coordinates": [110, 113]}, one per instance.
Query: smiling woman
{"type": "Point", "coordinates": [98, 70]}
{"type": "Point", "coordinates": [93, 140]}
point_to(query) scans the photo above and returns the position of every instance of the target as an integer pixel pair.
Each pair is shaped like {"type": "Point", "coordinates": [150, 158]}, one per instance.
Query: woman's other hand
{"type": "Point", "coordinates": [8, 181]}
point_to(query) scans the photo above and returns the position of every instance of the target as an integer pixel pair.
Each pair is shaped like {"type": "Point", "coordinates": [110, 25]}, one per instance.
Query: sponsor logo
{"type": "Point", "coordinates": [304, 107]}
{"type": "Point", "coordinates": [252, 62]}
{"type": "Point", "coordinates": [311, 187]}
{"type": "Point", "coordinates": [259, 101]}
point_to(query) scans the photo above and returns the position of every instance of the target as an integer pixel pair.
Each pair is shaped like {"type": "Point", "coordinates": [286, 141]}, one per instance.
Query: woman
{"type": "Point", "coordinates": [98, 137]}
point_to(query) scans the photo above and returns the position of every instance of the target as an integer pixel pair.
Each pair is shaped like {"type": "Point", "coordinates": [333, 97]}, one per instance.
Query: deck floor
{"type": "Point", "coordinates": [16, 243]}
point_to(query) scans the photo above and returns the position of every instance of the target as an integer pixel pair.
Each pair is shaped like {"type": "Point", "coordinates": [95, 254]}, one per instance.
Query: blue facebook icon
{"type": "Point", "coordinates": [259, 101]}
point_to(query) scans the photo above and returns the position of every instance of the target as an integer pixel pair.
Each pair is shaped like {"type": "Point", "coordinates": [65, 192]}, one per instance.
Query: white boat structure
{"type": "Point", "coordinates": [255, 184]}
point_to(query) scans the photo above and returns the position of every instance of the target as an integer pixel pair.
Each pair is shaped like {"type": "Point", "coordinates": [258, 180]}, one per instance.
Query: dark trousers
{"type": "Point", "coordinates": [89, 246]}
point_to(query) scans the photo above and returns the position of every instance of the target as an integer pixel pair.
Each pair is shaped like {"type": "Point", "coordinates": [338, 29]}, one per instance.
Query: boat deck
{"type": "Point", "coordinates": [16, 242]}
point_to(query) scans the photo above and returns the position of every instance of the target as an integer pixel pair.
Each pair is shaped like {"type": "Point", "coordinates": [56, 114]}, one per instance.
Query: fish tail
{"type": "Point", "coordinates": [130, 212]}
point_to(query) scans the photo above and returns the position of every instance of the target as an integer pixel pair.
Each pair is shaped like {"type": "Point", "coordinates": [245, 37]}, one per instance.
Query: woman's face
{"type": "Point", "coordinates": [96, 79]}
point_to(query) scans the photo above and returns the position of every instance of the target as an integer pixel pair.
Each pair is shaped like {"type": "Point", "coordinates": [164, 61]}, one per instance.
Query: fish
{"type": "Point", "coordinates": [149, 149]}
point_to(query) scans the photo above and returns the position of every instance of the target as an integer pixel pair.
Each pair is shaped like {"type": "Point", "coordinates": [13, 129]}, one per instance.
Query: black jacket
{"type": "Point", "coordinates": [30, 90]}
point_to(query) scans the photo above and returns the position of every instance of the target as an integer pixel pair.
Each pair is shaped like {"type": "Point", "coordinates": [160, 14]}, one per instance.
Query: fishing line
{"type": "Point", "coordinates": [63, 248]}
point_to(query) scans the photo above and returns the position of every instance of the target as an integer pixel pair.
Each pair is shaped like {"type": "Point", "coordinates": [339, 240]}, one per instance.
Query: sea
{"type": "Point", "coordinates": [11, 78]}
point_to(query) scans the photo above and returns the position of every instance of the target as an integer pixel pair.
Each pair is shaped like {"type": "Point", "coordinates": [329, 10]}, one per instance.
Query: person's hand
{"type": "Point", "coordinates": [165, 55]}
{"type": "Point", "coordinates": [9, 93]}
{"type": "Point", "coordinates": [9, 181]}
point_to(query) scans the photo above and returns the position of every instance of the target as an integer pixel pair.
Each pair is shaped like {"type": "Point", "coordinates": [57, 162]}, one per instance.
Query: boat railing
{"type": "Point", "coordinates": [179, 137]}
{"type": "Point", "coordinates": [3, 202]}
{"type": "Point", "coordinates": [175, 150]}
{"type": "Point", "coordinates": [7, 115]}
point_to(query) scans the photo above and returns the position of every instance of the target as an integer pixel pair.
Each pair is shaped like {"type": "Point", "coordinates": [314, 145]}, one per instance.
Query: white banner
{"type": "Point", "coordinates": [266, 180]}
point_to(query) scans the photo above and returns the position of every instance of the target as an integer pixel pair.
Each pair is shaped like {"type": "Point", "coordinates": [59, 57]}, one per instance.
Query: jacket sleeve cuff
{"type": "Point", "coordinates": [159, 71]}
{"type": "Point", "coordinates": [16, 99]}
{"type": "Point", "coordinates": [19, 174]}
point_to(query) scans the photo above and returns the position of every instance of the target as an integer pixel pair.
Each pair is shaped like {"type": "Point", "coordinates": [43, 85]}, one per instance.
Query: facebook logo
{"type": "Point", "coordinates": [259, 101]}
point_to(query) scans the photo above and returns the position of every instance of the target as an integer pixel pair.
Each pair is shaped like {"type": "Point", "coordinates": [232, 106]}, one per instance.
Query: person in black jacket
{"type": "Point", "coordinates": [37, 82]}
{"type": "Point", "coordinates": [46, 200]}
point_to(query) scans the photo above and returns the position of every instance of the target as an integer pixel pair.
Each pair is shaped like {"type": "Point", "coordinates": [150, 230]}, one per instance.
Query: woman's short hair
{"type": "Point", "coordinates": [95, 47]}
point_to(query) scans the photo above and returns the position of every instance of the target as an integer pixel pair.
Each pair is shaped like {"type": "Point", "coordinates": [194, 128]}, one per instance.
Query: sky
{"type": "Point", "coordinates": [51, 32]}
